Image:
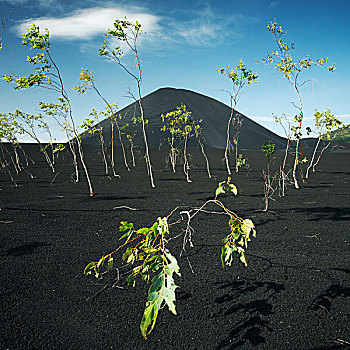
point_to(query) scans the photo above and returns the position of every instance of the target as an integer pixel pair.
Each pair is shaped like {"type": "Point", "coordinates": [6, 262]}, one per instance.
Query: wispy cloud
{"type": "Point", "coordinates": [203, 27]}
{"type": "Point", "coordinates": [38, 3]}
{"type": "Point", "coordinates": [86, 24]}
{"type": "Point", "coordinates": [273, 4]}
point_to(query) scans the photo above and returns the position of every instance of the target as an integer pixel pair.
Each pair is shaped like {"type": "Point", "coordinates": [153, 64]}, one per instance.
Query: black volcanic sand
{"type": "Point", "coordinates": [294, 294]}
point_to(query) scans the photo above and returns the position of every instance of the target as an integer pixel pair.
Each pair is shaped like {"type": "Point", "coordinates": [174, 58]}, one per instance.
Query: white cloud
{"type": "Point", "coordinates": [206, 27]}
{"type": "Point", "coordinates": [202, 27]}
{"type": "Point", "coordinates": [87, 23]}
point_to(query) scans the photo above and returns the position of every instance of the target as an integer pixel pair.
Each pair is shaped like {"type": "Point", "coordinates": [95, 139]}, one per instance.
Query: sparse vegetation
{"type": "Point", "coordinates": [239, 76]}
{"type": "Point", "coordinates": [48, 76]}
{"type": "Point", "coordinates": [145, 251]}
{"type": "Point", "coordinates": [324, 123]}
{"type": "Point", "coordinates": [282, 60]}
{"type": "Point", "coordinates": [128, 33]}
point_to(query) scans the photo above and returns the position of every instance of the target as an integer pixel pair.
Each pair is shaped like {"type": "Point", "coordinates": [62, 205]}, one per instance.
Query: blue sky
{"type": "Point", "coordinates": [183, 44]}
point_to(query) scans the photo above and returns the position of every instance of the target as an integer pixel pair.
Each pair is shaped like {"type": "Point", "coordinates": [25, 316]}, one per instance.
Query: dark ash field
{"type": "Point", "coordinates": [294, 294]}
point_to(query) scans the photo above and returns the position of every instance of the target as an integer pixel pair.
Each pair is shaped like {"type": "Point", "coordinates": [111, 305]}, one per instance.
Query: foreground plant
{"type": "Point", "coordinates": [147, 248]}
{"type": "Point", "coordinates": [282, 61]}
{"type": "Point", "coordinates": [239, 76]}
{"type": "Point", "coordinates": [128, 32]}
{"type": "Point", "coordinates": [47, 75]}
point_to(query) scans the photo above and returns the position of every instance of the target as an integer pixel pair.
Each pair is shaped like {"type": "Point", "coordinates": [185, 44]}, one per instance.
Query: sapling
{"type": "Point", "coordinates": [26, 124]}
{"type": "Point", "coordinates": [282, 61]}
{"type": "Point", "coordinates": [48, 76]}
{"type": "Point", "coordinates": [237, 124]}
{"type": "Point", "coordinates": [324, 123]}
{"type": "Point", "coordinates": [128, 32]}
{"type": "Point", "coordinates": [268, 148]}
{"type": "Point", "coordinates": [170, 126]}
{"type": "Point", "coordinates": [147, 248]}
{"type": "Point", "coordinates": [283, 174]}
{"type": "Point", "coordinates": [199, 136]}
{"type": "Point", "coordinates": [88, 82]}
{"type": "Point", "coordinates": [8, 132]}
{"type": "Point", "coordinates": [129, 130]}
{"type": "Point", "coordinates": [59, 112]}
{"type": "Point", "coordinates": [180, 124]}
{"type": "Point", "coordinates": [239, 76]}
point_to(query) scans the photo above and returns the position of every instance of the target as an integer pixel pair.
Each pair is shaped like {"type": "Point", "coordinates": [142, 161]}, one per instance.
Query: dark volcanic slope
{"type": "Point", "coordinates": [213, 113]}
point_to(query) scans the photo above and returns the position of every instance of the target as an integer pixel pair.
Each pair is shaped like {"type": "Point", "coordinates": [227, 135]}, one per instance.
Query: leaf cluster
{"type": "Point", "coordinates": [237, 240]}
{"type": "Point", "coordinates": [240, 75]}
{"type": "Point", "coordinates": [268, 148]}
{"type": "Point", "coordinates": [180, 123]}
{"type": "Point", "coordinates": [283, 61]}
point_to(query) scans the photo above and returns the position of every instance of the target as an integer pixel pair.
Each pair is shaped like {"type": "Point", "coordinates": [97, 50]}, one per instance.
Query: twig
{"type": "Point", "coordinates": [342, 342]}
{"type": "Point", "coordinates": [54, 177]}
{"type": "Point", "coordinates": [125, 207]}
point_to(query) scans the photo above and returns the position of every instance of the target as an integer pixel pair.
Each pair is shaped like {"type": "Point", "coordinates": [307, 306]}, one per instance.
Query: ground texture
{"type": "Point", "coordinates": [294, 294]}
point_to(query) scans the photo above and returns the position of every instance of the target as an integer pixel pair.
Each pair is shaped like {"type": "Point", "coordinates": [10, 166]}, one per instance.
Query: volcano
{"type": "Point", "coordinates": [214, 115]}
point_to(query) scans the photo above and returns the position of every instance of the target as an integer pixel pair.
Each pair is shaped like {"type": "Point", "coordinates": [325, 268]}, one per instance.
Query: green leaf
{"type": "Point", "coordinates": [110, 262]}
{"type": "Point", "coordinates": [131, 279]}
{"type": "Point", "coordinates": [89, 268]}
{"type": "Point", "coordinates": [223, 253]}
{"type": "Point", "coordinates": [173, 265]}
{"type": "Point", "coordinates": [150, 250]}
{"type": "Point", "coordinates": [149, 317]}
{"type": "Point", "coordinates": [142, 231]}
{"type": "Point", "coordinates": [233, 189]}
{"type": "Point", "coordinates": [219, 190]}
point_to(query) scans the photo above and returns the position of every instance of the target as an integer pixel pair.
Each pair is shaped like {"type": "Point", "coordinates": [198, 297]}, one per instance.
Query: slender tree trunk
{"type": "Point", "coordinates": [283, 168]}
{"type": "Point", "coordinates": [236, 144]}
{"type": "Point", "coordinates": [319, 157]}
{"type": "Point", "coordinates": [102, 144]}
{"type": "Point", "coordinates": [81, 154]}
{"type": "Point", "coordinates": [112, 151]}
{"type": "Point", "coordinates": [16, 162]}
{"type": "Point", "coordinates": [228, 141]}
{"type": "Point", "coordinates": [148, 160]}
{"type": "Point", "coordinates": [7, 168]}
{"type": "Point", "coordinates": [122, 145]}
{"type": "Point", "coordinates": [118, 128]}
{"type": "Point", "coordinates": [186, 165]}
{"type": "Point", "coordinates": [132, 152]}
{"type": "Point", "coordinates": [205, 156]}
{"type": "Point", "coordinates": [172, 153]}
{"type": "Point", "coordinates": [313, 157]}
{"type": "Point", "coordinates": [296, 160]}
